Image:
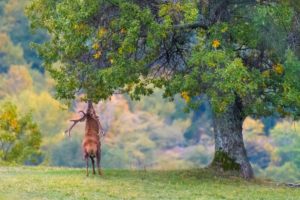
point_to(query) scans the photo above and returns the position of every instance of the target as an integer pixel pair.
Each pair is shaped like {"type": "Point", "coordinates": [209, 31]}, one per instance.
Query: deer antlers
{"type": "Point", "coordinates": [75, 121]}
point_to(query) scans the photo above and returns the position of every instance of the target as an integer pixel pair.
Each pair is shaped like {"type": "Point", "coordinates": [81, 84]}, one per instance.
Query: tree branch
{"type": "Point", "coordinates": [192, 26]}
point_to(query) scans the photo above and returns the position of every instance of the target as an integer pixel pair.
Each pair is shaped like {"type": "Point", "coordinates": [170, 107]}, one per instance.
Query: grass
{"type": "Point", "coordinates": [42, 183]}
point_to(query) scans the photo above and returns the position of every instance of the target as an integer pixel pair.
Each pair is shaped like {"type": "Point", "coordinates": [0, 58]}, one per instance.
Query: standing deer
{"type": "Point", "coordinates": [91, 144]}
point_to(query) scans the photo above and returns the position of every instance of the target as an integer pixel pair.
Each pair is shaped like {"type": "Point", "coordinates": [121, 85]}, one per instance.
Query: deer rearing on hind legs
{"type": "Point", "coordinates": [91, 144]}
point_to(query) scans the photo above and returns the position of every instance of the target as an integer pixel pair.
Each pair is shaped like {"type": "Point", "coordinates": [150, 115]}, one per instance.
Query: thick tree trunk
{"type": "Point", "coordinates": [230, 152]}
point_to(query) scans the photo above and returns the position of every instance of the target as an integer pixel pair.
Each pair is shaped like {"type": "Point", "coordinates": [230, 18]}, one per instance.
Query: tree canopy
{"type": "Point", "coordinates": [223, 49]}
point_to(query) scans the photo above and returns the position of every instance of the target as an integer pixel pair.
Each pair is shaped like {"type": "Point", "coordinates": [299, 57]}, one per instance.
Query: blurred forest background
{"type": "Point", "coordinates": [151, 133]}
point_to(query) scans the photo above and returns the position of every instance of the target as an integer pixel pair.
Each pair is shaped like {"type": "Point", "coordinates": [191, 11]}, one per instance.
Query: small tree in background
{"type": "Point", "coordinates": [241, 55]}
{"type": "Point", "coordinates": [20, 137]}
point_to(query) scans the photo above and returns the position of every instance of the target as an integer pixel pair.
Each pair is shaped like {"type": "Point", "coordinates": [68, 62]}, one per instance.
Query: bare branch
{"type": "Point", "coordinates": [192, 26]}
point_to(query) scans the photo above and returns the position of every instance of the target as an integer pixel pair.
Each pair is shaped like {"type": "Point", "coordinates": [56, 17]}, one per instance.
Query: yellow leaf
{"type": "Point", "coordinates": [223, 30]}
{"type": "Point", "coordinates": [186, 97]}
{"type": "Point", "coordinates": [96, 46]}
{"type": "Point", "coordinates": [216, 43]}
{"type": "Point", "coordinates": [102, 31]}
{"type": "Point", "coordinates": [123, 30]}
{"type": "Point", "coordinates": [14, 124]}
{"type": "Point", "coordinates": [266, 74]}
{"type": "Point", "coordinates": [81, 27]}
{"type": "Point", "coordinates": [278, 68]}
{"type": "Point", "coordinates": [211, 64]}
{"type": "Point", "coordinates": [120, 50]}
{"type": "Point", "coordinates": [97, 55]}
{"type": "Point", "coordinates": [280, 110]}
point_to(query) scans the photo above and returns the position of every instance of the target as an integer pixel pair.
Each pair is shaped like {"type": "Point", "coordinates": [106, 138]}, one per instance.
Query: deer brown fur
{"type": "Point", "coordinates": [91, 144]}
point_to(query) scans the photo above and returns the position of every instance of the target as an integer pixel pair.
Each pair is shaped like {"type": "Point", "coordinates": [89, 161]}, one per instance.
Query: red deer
{"type": "Point", "coordinates": [91, 144]}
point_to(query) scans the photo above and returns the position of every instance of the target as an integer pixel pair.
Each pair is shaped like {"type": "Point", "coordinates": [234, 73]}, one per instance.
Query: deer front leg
{"type": "Point", "coordinates": [98, 157]}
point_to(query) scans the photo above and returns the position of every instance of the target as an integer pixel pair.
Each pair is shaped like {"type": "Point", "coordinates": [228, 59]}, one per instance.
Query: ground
{"type": "Point", "coordinates": [42, 183]}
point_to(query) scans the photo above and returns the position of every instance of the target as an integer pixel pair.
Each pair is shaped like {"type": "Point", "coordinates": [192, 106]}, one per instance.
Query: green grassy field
{"type": "Point", "coordinates": [24, 183]}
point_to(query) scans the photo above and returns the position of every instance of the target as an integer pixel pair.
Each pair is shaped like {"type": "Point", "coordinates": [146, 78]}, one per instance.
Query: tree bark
{"type": "Point", "coordinates": [230, 152]}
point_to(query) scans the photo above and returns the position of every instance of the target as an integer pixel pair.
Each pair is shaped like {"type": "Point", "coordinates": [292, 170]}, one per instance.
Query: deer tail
{"type": "Point", "coordinates": [91, 150]}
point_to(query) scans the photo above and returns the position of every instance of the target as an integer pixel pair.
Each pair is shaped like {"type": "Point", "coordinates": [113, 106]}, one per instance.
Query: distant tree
{"type": "Point", "coordinates": [243, 55]}
{"type": "Point", "coordinates": [16, 80]}
{"type": "Point", "coordinates": [194, 132]}
{"type": "Point", "coordinates": [20, 137]}
{"type": "Point", "coordinates": [46, 111]}
{"type": "Point", "coordinates": [286, 137]}
{"type": "Point", "coordinates": [14, 23]}
{"type": "Point", "coordinates": [67, 152]}
{"type": "Point", "coordinates": [20, 33]}
{"type": "Point", "coordinates": [269, 123]}
{"type": "Point", "coordinates": [10, 54]}
{"type": "Point", "coordinates": [2, 3]}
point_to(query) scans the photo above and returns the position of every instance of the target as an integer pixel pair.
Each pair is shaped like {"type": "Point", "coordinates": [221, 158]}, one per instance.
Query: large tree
{"type": "Point", "coordinates": [240, 55]}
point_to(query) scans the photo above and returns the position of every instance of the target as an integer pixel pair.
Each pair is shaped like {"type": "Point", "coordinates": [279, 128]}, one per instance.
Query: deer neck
{"type": "Point", "coordinates": [91, 126]}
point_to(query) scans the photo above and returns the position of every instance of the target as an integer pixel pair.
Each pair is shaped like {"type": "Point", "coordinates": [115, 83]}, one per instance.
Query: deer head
{"type": "Point", "coordinates": [90, 110]}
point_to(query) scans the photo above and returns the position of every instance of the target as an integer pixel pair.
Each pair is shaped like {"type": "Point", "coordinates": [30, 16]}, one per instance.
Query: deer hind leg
{"type": "Point", "coordinates": [98, 158]}
{"type": "Point", "coordinates": [93, 163]}
{"type": "Point", "coordinates": [87, 165]}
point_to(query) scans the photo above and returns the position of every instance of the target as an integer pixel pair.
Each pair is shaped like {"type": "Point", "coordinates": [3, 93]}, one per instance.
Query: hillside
{"type": "Point", "coordinates": [66, 183]}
